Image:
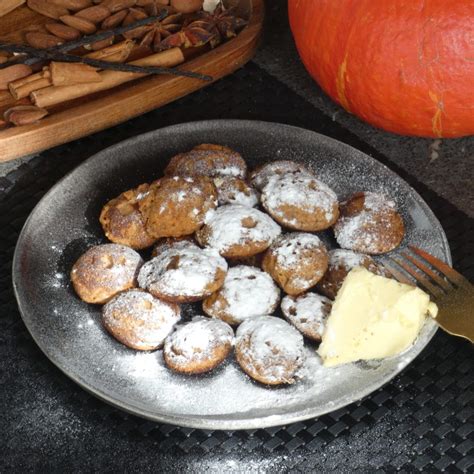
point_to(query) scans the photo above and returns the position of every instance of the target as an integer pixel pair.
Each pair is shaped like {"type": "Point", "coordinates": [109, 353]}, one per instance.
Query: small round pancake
{"type": "Point", "coordinates": [123, 222]}
{"type": "Point", "coordinates": [247, 292]}
{"type": "Point", "coordinates": [238, 232]}
{"type": "Point", "coordinates": [138, 320]}
{"type": "Point", "coordinates": [177, 206]}
{"type": "Point", "coordinates": [105, 270]}
{"type": "Point", "coordinates": [198, 346]}
{"type": "Point", "coordinates": [208, 160]}
{"type": "Point", "coordinates": [299, 201]}
{"type": "Point", "coordinates": [369, 223]}
{"type": "Point", "coordinates": [269, 350]}
{"type": "Point", "coordinates": [308, 313]}
{"type": "Point", "coordinates": [183, 275]}
{"type": "Point", "coordinates": [296, 261]}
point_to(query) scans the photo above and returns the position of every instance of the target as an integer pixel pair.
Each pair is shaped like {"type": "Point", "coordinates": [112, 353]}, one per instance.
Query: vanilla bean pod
{"type": "Point", "coordinates": [52, 55]}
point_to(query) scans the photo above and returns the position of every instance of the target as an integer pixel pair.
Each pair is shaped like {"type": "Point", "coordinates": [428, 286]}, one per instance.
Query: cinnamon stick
{"type": "Point", "coordinates": [6, 6]}
{"type": "Point", "coordinates": [57, 94]}
{"type": "Point", "coordinates": [65, 74]}
{"type": "Point", "coordinates": [23, 87]}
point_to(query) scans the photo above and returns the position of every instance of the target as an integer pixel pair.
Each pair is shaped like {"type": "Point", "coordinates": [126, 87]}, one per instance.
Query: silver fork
{"type": "Point", "coordinates": [453, 293]}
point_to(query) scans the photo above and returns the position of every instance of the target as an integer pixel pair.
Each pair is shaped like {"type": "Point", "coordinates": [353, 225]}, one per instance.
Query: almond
{"type": "Point", "coordinates": [117, 5]}
{"type": "Point", "coordinates": [42, 40]}
{"type": "Point", "coordinates": [74, 5]}
{"type": "Point", "coordinates": [94, 14]}
{"type": "Point", "coordinates": [186, 6]}
{"type": "Point", "coordinates": [114, 20]}
{"type": "Point", "coordinates": [81, 24]}
{"type": "Point", "coordinates": [24, 114]}
{"type": "Point", "coordinates": [101, 44]}
{"type": "Point", "coordinates": [47, 8]}
{"type": "Point", "coordinates": [63, 31]}
{"type": "Point", "coordinates": [12, 73]}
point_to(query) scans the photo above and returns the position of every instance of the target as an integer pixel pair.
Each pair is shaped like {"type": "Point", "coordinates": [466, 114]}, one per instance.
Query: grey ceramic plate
{"type": "Point", "coordinates": [68, 331]}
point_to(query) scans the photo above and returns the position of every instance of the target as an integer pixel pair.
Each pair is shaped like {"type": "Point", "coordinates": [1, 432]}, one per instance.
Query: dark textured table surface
{"type": "Point", "coordinates": [422, 420]}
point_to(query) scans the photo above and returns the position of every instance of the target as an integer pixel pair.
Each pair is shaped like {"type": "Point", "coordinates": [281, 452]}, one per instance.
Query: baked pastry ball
{"type": "Point", "coordinates": [138, 320]}
{"type": "Point", "coordinates": [296, 261]}
{"type": "Point", "coordinates": [208, 160]}
{"type": "Point", "coordinates": [198, 346]}
{"type": "Point", "coordinates": [235, 191]}
{"type": "Point", "coordinates": [237, 231]}
{"type": "Point", "coordinates": [308, 313]}
{"type": "Point", "coordinates": [341, 262]}
{"type": "Point", "coordinates": [247, 292]}
{"type": "Point", "coordinates": [177, 206]}
{"type": "Point", "coordinates": [183, 275]}
{"type": "Point", "coordinates": [105, 270]}
{"type": "Point", "coordinates": [369, 223]}
{"type": "Point", "coordinates": [260, 176]}
{"type": "Point", "coordinates": [167, 243]}
{"type": "Point", "coordinates": [269, 350]}
{"type": "Point", "coordinates": [300, 201]}
{"type": "Point", "coordinates": [123, 222]}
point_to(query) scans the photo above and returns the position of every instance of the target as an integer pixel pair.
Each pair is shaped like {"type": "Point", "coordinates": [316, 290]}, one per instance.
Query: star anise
{"type": "Point", "coordinates": [152, 35]}
{"type": "Point", "coordinates": [222, 22]}
{"type": "Point", "coordinates": [190, 36]}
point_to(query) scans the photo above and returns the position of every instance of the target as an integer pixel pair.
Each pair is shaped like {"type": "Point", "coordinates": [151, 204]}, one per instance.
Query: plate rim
{"type": "Point", "coordinates": [213, 422]}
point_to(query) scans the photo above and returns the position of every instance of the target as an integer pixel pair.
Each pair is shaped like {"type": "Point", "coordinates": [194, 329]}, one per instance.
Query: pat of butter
{"type": "Point", "coordinates": [373, 317]}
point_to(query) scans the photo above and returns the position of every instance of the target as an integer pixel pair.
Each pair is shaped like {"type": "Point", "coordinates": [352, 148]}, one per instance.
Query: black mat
{"type": "Point", "coordinates": [422, 420]}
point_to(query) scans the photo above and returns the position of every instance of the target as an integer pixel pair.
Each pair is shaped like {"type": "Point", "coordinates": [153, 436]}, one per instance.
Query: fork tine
{"type": "Point", "coordinates": [420, 278]}
{"type": "Point", "coordinates": [399, 276]}
{"type": "Point", "coordinates": [425, 269]}
{"type": "Point", "coordinates": [442, 267]}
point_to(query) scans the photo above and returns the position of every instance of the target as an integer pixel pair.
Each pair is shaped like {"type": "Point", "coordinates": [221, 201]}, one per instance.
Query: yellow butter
{"type": "Point", "coordinates": [373, 317]}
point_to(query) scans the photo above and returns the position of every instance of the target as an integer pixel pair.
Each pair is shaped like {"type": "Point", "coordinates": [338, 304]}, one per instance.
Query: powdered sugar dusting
{"type": "Point", "coordinates": [261, 176]}
{"type": "Point", "coordinates": [227, 227]}
{"type": "Point", "coordinates": [195, 341]}
{"type": "Point", "coordinates": [345, 258]}
{"type": "Point", "coordinates": [146, 319]}
{"type": "Point", "coordinates": [300, 190]}
{"type": "Point", "coordinates": [289, 248]}
{"type": "Point", "coordinates": [248, 292]}
{"type": "Point", "coordinates": [272, 344]}
{"type": "Point", "coordinates": [307, 312]}
{"type": "Point", "coordinates": [235, 191]}
{"type": "Point", "coordinates": [183, 271]}
{"type": "Point", "coordinates": [355, 231]}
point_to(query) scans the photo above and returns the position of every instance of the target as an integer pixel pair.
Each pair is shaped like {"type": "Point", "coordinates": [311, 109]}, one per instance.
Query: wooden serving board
{"type": "Point", "coordinates": [93, 113]}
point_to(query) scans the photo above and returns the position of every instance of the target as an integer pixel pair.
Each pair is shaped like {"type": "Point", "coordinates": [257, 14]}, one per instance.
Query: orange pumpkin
{"type": "Point", "coordinates": [406, 66]}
